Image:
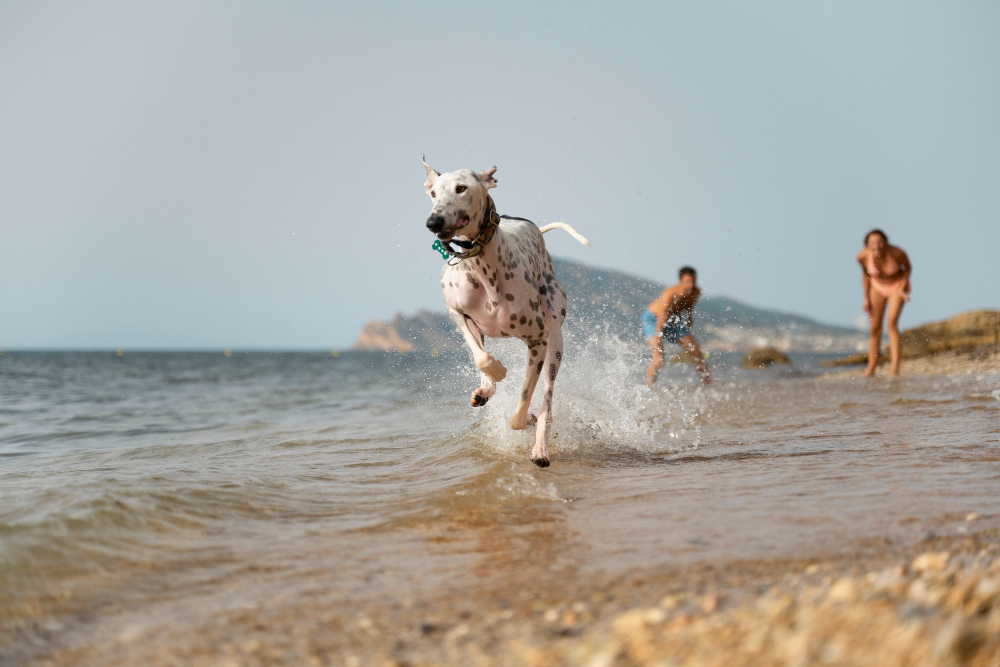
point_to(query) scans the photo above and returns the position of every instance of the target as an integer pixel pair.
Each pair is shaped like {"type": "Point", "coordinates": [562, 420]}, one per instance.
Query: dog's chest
{"type": "Point", "coordinates": [499, 290]}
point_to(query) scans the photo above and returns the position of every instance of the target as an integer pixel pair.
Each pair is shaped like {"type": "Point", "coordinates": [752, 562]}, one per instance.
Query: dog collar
{"type": "Point", "coordinates": [474, 247]}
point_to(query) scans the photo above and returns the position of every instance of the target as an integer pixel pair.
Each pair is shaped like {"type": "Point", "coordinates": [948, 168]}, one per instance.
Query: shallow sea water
{"type": "Point", "coordinates": [162, 488]}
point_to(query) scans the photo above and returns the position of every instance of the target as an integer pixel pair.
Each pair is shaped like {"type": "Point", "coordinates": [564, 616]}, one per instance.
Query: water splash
{"type": "Point", "coordinates": [600, 404]}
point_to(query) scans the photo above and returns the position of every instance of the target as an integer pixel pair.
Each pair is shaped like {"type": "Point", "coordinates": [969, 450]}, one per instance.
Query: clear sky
{"type": "Point", "coordinates": [247, 175]}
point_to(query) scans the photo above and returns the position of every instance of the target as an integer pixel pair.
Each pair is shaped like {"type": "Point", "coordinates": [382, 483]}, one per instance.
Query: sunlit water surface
{"type": "Point", "coordinates": [157, 484]}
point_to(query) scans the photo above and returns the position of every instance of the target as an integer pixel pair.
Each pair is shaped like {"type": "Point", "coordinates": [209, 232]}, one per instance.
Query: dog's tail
{"type": "Point", "coordinates": [562, 225]}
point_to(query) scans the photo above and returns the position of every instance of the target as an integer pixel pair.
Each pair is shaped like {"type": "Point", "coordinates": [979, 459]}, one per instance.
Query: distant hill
{"type": "Point", "coordinates": [613, 301]}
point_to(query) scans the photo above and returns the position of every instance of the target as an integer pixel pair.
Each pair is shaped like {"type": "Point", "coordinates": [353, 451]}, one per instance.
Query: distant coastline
{"type": "Point", "coordinates": [613, 301]}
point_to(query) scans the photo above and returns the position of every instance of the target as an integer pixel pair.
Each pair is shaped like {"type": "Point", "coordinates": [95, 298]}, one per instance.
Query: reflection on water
{"type": "Point", "coordinates": [153, 490]}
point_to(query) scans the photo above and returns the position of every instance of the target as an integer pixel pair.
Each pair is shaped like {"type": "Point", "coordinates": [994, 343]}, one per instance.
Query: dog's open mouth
{"type": "Point", "coordinates": [446, 235]}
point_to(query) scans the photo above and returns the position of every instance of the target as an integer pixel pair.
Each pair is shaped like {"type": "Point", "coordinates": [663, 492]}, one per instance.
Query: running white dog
{"type": "Point", "coordinates": [501, 286]}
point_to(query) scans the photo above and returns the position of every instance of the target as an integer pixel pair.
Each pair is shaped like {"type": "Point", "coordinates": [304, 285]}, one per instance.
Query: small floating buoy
{"type": "Point", "coordinates": [120, 352]}
{"type": "Point", "coordinates": [227, 352]}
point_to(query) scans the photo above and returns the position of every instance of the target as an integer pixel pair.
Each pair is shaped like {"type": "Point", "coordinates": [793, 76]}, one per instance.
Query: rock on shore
{"type": "Point", "coordinates": [762, 357]}
{"type": "Point", "coordinates": [967, 331]}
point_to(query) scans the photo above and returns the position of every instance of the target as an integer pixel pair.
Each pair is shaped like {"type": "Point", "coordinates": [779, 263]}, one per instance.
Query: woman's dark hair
{"type": "Point", "coordinates": [687, 271]}
{"type": "Point", "coordinates": [876, 231]}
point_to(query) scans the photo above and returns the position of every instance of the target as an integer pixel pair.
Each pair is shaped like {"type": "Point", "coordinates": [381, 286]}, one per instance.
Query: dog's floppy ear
{"type": "Point", "coordinates": [486, 178]}
{"type": "Point", "coordinates": [431, 174]}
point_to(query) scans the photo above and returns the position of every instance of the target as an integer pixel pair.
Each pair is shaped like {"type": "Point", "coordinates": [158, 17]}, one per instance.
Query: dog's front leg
{"type": "Point", "coordinates": [490, 369]}
{"type": "Point", "coordinates": [536, 357]}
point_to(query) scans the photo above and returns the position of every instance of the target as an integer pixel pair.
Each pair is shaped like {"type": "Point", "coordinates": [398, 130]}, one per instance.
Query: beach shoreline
{"type": "Point", "coordinates": [970, 361]}
{"type": "Point", "coordinates": [932, 602]}
{"type": "Point", "coordinates": [790, 520]}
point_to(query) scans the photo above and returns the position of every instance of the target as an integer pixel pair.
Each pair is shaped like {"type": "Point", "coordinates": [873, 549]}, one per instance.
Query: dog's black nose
{"type": "Point", "coordinates": [435, 223]}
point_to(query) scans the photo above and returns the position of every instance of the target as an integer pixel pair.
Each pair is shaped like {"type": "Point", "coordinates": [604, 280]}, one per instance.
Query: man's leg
{"type": "Point", "coordinates": [691, 345]}
{"type": "Point", "coordinates": [656, 345]}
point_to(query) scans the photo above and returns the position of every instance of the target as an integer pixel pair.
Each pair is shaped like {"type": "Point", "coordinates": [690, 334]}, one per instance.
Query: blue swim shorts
{"type": "Point", "coordinates": [673, 330]}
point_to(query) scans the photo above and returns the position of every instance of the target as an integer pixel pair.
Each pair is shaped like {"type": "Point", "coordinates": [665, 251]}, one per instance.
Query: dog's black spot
{"type": "Point", "coordinates": [541, 290]}
{"type": "Point", "coordinates": [513, 316]}
{"type": "Point", "coordinates": [523, 319]}
{"type": "Point", "coordinates": [562, 312]}
{"type": "Point", "coordinates": [552, 372]}
{"type": "Point", "coordinates": [559, 355]}
{"type": "Point", "coordinates": [488, 307]}
{"type": "Point", "coordinates": [513, 326]}
{"type": "Point", "coordinates": [538, 368]}
{"type": "Point", "coordinates": [524, 394]}
{"type": "Point", "coordinates": [541, 324]}
{"type": "Point", "coordinates": [509, 297]}
{"type": "Point", "coordinates": [534, 352]}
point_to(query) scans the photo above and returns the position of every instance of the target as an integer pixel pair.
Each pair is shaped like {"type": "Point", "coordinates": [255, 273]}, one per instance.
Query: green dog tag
{"type": "Point", "coordinates": [440, 248]}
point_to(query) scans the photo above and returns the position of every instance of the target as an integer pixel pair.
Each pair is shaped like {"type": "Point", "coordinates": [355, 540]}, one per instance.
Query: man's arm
{"type": "Point", "coordinates": [666, 297]}
{"type": "Point", "coordinates": [690, 313]}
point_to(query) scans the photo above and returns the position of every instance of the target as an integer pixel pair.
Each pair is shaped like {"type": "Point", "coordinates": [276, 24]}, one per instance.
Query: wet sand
{"type": "Point", "coordinates": [936, 602]}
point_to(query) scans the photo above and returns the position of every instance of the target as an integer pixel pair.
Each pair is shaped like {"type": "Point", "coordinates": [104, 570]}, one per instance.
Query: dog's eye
{"type": "Point", "coordinates": [433, 194]}
{"type": "Point", "coordinates": [459, 189]}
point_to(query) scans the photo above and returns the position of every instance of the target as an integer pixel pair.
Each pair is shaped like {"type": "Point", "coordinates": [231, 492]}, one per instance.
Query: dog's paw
{"type": "Point", "coordinates": [479, 398]}
{"type": "Point", "coordinates": [518, 424]}
{"type": "Point", "coordinates": [540, 456]}
{"type": "Point", "coordinates": [492, 367]}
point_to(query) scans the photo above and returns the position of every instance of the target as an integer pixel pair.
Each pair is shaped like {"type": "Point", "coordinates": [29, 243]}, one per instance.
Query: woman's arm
{"type": "Point", "coordinates": [866, 282]}
{"type": "Point", "coordinates": [904, 262]}
{"type": "Point", "coordinates": [904, 266]}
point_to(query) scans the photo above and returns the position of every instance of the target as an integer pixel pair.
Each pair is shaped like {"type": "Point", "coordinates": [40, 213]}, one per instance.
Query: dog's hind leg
{"type": "Point", "coordinates": [536, 357]}
{"type": "Point", "coordinates": [553, 357]}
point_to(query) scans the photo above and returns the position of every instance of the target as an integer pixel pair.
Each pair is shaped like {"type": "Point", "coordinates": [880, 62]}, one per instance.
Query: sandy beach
{"type": "Point", "coordinates": [937, 603]}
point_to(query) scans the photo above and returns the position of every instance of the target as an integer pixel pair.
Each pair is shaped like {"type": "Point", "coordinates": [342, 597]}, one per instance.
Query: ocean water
{"type": "Point", "coordinates": [156, 489]}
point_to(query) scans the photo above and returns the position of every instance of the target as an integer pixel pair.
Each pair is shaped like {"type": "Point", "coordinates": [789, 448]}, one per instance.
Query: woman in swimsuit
{"type": "Point", "coordinates": [885, 275]}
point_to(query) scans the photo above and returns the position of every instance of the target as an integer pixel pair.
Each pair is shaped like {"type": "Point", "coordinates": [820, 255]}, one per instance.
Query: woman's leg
{"type": "Point", "coordinates": [876, 309]}
{"type": "Point", "coordinates": [895, 309]}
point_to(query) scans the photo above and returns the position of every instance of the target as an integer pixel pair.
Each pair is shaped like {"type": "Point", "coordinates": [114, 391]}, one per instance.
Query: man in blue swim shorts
{"type": "Point", "coordinates": [669, 318]}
